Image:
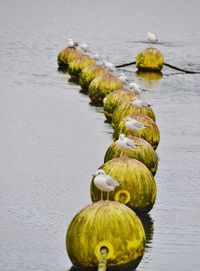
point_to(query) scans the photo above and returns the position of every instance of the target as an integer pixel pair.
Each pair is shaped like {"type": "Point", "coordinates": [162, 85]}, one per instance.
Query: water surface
{"type": "Point", "coordinates": [51, 139]}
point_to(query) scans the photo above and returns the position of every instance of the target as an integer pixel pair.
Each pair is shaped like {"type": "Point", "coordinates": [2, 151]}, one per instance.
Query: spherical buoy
{"type": "Point", "coordinates": [136, 148]}
{"type": "Point", "coordinates": [114, 99]}
{"type": "Point", "coordinates": [108, 226]}
{"type": "Point", "coordinates": [102, 86]}
{"type": "Point", "coordinates": [150, 59]}
{"type": "Point", "coordinates": [66, 55]}
{"type": "Point", "coordinates": [149, 132]}
{"type": "Point", "coordinates": [137, 187]}
{"type": "Point", "coordinates": [127, 108]}
{"type": "Point", "coordinates": [78, 64]}
{"type": "Point", "coordinates": [88, 74]}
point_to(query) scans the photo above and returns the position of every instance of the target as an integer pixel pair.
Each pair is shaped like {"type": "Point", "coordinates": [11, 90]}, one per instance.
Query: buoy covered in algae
{"type": "Point", "coordinates": [78, 64]}
{"type": "Point", "coordinates": [136, 148]}
{"type": "Point", "coordinates": [149, 132]}
{"type": "Point", "coordinates": [105, 225]}
{"type": "Point", "coordinates": [114, 99]}
{"type": "Point", "coordinates": [66, 55]}
{"type": "Point", "coordinates": [88, 74]}
{"type": "Point", "coordinates": [150, 59]}
{"type": "Point", "coordinates": [137, 187]}
{"type": "Point", "coordinates": [102, 86]}
{"type": "Point", "coordinates": [127, 108]}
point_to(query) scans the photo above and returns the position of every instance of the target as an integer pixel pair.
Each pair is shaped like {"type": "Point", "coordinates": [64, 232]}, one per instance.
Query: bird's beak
{"type": "Point", "coordinates": [94, 174]}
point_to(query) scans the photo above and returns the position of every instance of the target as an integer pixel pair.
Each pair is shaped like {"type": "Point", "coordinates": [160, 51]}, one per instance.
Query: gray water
{"type": "Point", "coordinates": [52, 140]}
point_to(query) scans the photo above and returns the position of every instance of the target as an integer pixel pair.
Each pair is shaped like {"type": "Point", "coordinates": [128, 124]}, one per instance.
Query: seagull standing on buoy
{"type": "Point", "coordinates": [139, 103]}
{"type": "Point", "coordinates": [84, 47]}
{"type": "Point", "coordinates": [104, 100]}
{"type": "Point", "coordinates": [123, 78]}
{"type": "Point", "coordinates": [71, 43]}
{"type": "Point", "coordinates": [133, 124]}
{"type": "Point", "coordinates": [104, 182]}
{"type": "Point", "coordinates": [109, 66]}
{"type": "Point", "coordinates": [126, 143]}
{"type": "Point", "coordinates": [151, 37]}
{"type": "Point", "coordinates": [135, 88]}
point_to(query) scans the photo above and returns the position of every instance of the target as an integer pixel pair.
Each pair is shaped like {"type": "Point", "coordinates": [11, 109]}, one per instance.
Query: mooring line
{"type": "Point", "coordinates": [166, 64]}
{"type": "Point", "coordinates": [126, 64]}
{"type": "Point", "coordinates": [179, 69]}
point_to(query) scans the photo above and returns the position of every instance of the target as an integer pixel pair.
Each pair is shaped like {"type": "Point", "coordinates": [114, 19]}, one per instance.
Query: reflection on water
{"type": "Point", "coordinates": [150, 76]}
{"type": "Point", "coordinates": [147, 223]}
{"type": "Point", "coordinates": [150, 79]}
{"type": "Point", "coordinates": [128, 267]}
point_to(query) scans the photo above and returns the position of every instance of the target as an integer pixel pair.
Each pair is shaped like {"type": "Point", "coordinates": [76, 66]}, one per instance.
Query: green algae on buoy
{"type": "Point", "coordinates": [142, 152]}
{"type": "Point", "coordinates": [110, 226]}
{"type": "Point", "coordinates": [114, 99]}
{"type": "Point", "coordinates": [150, 133]}
{"type": "Point", "coordinates": [150, 59]}
{"type": "Point", "coordinates": [78, 64]}
{"type": "Point", "coordinates": [66, 55]}
{"type": "Point", "coordinates": [137, 187]}
{"type": "Point", "coordinates": [88, 74]}
{"type": "Point", "coordinates": [128, 108]}
{"type": "Point", "coordinates": [102, 86]}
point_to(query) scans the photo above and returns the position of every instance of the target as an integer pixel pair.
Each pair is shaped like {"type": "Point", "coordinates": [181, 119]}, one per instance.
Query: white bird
{"type": "Point", "coordinates": [104, 182]}
{"type": "Point", "coordinates": [125, 143]}
{"type": "Point", "coordinates": [96, 56]}
{"type": "Point", "coordinates": [133, 124]}
{"type": "Point", "coordinates": [134, 87]}
{"type": "Point", "coordinates": [84, 47]}
{"type": "Point", "coordinates": [109, 66]}
{"type": "Point", "coordinates": [151, 37]}
{"type": "Point", "coordinates": [123, 78]}
{"type": "Point", "coordinates": [71, 43]}
{"type": "Point", "coordinates": [104, 100]}
{"type": "Point", "coordinates": [139, 103]}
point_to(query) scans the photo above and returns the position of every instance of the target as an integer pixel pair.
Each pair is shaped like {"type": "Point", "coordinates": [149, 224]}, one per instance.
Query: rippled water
{"type": "Point", "coordinates": [51, 139]}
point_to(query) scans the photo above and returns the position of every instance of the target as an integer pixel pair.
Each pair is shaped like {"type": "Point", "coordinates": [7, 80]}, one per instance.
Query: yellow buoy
{"type": "Point", "coordinates": [142, 152]}
{"type": "Point", "coordinates": [66, 55]}
{"type": "Point", "coordinates": [137, 187]}
{"type": "Point", "coordinates": [127, 108]}
{"type": "Point", "coordinates": [108, 226]}
{"type": "Point", "coordinates": [78, 64]}
{"type": "Point", "coordinates": [88, 74]}
{"type": "Point", "coordinates": [114, 99]}
{"type": "Point", "coordinates": [150, 133]}
{"type": "Point", "coordinates": [102, 86]}
{"type": "Point", "coordinates": [150, 59]}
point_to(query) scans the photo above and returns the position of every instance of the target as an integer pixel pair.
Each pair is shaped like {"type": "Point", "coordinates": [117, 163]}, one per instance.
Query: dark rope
{"type": "Point", "coordinates": [182, 70]}
{"type": "Point", "coordinates": [126, 64]}
{"type": "Point", "coordinates": [166, 64]}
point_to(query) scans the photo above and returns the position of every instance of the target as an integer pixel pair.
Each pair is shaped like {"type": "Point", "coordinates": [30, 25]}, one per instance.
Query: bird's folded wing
{"type": "Point", "coordinates": [112, 182]}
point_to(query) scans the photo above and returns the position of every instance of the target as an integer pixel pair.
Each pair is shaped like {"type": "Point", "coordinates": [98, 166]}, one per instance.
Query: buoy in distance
{"type": "Point", "coordinates": [136, 148]}
{"type": "Point", "coordinates": [150, 59]}
{"type": "Point", "coordinates": [66, 55]}
{"type": "Point", "coordinates": [102, 86]}
{"type": "Point", "coordinates": [140, 126]}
